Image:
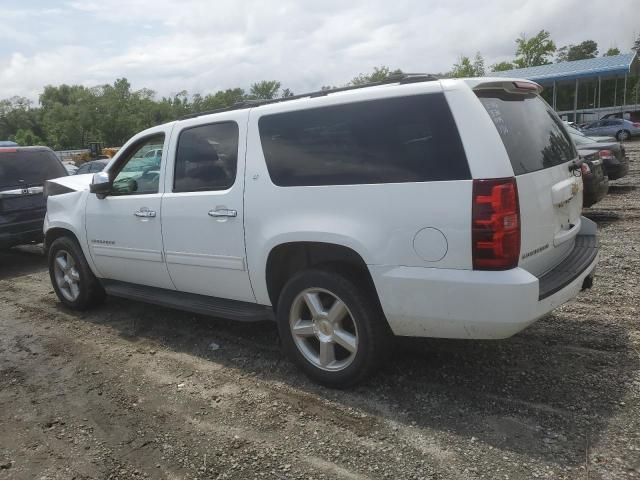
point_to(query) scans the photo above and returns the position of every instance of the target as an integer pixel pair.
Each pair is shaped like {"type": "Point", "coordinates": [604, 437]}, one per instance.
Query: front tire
{"type": "Point", "coordinates": [73, 281]}
{"type": "Point", "coordinates": [623, 135]}
{"type": "Point", "coordinates": [332, 327]}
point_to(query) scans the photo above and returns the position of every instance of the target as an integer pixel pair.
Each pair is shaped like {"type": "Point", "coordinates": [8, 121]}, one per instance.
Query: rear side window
{"type": "Point", "coordinates": [531, 131]}
{"type": "Point", "coordinates": [206, 158]}
{"type": "Point", "coordinates": [393, 140]}
{"type": "Point", "coordinates": [28, 167]}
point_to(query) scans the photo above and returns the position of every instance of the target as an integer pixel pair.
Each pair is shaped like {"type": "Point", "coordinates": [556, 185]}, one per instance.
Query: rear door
{"type": "Point", "coordinates": [541, 153]}
{"type": "Point", "coordinates": [203, 207]}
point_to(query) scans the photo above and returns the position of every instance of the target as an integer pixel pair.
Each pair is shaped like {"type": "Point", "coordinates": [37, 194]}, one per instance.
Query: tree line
{"type": "Point", "coordinates": [71, 116]}
{"type": "Point", "coordinates": [532, 52]}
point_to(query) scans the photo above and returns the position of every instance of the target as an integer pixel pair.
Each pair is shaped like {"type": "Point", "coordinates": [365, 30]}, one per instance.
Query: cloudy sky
{"type": "Point", "coordinates": [206, 45]}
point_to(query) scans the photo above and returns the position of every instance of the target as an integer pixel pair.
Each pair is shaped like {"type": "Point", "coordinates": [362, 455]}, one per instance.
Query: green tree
{"type": "Point", "coordinates": [265, 90]}
{"type": "Point", "coordinates": [612, 52]}
{"type": "Point", "coordinates": [582, 51]}
{"type": "Point", "coordinates": [379, 74]}
{"type": "Point", "coordinates": [502, 66]}
{"type": "Point", "coordinates": [468, 68]}
{"type": "Point", "coordinates": [534, 51]}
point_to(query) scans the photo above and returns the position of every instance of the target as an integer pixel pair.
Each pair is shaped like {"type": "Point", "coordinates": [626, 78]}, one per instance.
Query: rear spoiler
{"type": "Point", "coordinates": [511, 85]}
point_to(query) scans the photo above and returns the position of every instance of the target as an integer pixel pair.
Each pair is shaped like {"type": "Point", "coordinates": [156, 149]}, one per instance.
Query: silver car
{"type": "Point", "coordinates": [615, 127]}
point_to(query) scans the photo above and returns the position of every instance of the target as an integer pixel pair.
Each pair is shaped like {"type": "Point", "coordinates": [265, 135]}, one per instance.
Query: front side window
{"type": "Point", "coordinates": [391, 140]}
{"type": "Point", "coordinates": [206, 158]}
{"type": "Point", "coordinates": [140, 172]}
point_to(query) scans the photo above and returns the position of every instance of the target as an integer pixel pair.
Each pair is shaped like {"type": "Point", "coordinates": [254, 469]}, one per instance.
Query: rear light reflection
{"type": "Point", "coordinates": [606, 154]}
{"type": "Point", "coordinates": [584, 168]}
{"type": "Point", "coordinates": [495, 224]}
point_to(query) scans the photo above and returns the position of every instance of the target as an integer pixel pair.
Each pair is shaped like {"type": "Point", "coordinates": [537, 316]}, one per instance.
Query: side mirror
{"type": "Point", "coordinates": [100, 184]}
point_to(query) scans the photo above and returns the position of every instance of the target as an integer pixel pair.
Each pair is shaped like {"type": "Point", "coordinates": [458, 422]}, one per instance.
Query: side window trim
{"type": "Point", "coordinates": [176, 159]}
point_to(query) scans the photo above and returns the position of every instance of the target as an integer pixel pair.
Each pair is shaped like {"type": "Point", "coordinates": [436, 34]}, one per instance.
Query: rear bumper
{"type": "Point", "coordinates": [617, 169]}
{"type": "Point", "coordinates": [431, 302]}
{"type": "Point", "coordinates": [595, 189]}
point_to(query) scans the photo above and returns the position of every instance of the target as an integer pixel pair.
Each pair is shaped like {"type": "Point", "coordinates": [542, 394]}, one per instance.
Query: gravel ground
{"type": "Point", "coordinates": [136, 391]}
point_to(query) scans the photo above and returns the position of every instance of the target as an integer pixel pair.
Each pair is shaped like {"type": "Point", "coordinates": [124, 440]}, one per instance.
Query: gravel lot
{"type": "Point", "coordinates": [136, 391]}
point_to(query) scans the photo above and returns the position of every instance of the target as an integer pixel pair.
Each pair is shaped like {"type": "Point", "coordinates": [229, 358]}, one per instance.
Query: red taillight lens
{"type": "Point", "coordinates": [584, 168]}
{"type": "Point", "coordinates": [636, 124]}
{"type": "Point", "coordinates": [8, 150]}
{"type": "Point", "coordinates": [495, 224]}
{"type": "Point", "coordinates": [605, 154]}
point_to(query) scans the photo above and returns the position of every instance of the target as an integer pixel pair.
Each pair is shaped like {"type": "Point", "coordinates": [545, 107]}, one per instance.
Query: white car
{"type": "Point", "coordinates": [416, 207]}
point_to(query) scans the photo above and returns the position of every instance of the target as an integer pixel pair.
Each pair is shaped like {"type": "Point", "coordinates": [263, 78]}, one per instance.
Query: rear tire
{"type": "Point", "coordinates": [73, 281]}
{"type": "Point", "coordinates": [332, 327]}
{"type": "Point", "coordinates": [623, 135]}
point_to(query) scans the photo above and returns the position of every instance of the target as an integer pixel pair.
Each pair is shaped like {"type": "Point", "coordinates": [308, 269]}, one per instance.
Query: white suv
{"type": "Point", "coordinates": [416, 207]}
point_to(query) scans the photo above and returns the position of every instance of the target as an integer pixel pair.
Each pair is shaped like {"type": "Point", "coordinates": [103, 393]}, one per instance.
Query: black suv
{"type": "Point", "coordinates": [23, 171]}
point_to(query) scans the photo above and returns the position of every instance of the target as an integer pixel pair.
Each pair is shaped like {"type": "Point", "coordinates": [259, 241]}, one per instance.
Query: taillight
{"type": "Point", "coordinates": [584, 168]}
{"type": "Point", "coordinates": [636, 124]}
{"type": "Point", "coordinates": [495, 224]}
{"type": "Point", "coordinates": [8, 150]}
{"type": "Point", "coordinates": [606, 154]}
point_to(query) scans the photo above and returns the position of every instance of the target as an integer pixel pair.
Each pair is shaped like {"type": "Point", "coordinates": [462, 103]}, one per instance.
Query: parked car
{"type": "Point", "coordinates": [335, 214]}
{"type": "Point", "coordinates": [7, 143]}
{"type": "Point", "coordinates": [596, 182]}
{"type": "Point", "coordinates": [92, 166]}
{"type": "Point", "coordinates": [634, 115]}
{"type": "Point", "coordinates": [612, 154]}
{"type": "Point", "coordinates": [70, 167]}
{"type": "Point", "coordinates": [615, 127]}
{"type": "Point", "coordinates": [23, 171]}
{"type": "Point", "coordinates": [575, 130]}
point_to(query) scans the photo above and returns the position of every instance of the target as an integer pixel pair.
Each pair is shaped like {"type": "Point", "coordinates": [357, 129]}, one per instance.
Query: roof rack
{"type": "Point", "coordinates": [400, 78]}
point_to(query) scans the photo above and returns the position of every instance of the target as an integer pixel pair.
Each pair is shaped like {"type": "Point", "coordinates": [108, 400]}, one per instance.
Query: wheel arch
{"type": "Point", "coordinates": [286, 259]}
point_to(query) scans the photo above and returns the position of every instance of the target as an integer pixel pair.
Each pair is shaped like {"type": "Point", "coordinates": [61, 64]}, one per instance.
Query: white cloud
{"type": "Point", "coordinates": [202, 46]}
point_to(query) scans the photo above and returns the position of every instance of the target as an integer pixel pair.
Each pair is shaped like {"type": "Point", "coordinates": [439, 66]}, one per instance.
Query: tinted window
{"type": "Point", "coordinates": [532, 133]}
{"type": "Point", "coordinates": [206, 158]}
{"type": "Point", "coordinates": [139, 173]}
{"type": "Point", "coordinates": [28, 167]}
{"type": "Point", "coordinates": [407, 139]}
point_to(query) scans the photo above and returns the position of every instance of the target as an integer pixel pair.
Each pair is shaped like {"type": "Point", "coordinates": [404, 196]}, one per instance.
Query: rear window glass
{"type": "Point", "coordinates": [28, 167]}
{"type": "Point", "coordinates": [531, 131]}
{"type": "Point", "coordinates": [393, 140]}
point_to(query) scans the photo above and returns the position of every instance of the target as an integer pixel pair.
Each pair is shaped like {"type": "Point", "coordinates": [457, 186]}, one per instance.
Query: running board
{"type": "Point", "coordinates": [190, 302]}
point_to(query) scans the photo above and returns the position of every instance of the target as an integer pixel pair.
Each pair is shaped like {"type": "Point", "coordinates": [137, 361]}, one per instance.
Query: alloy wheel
{"type": "Point", "coordinates": [67, 275]}
{"type": "Point", "coordinates": [323, 329]}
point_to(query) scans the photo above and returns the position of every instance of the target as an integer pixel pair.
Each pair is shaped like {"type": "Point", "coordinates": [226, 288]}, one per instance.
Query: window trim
{"type": "Point", "coordinates": [128, 155]}
{"type": "Point", "coordinates": [175, 158]}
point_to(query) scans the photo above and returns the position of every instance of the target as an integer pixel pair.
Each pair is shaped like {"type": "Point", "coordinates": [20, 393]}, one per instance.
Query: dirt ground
{"type": "Point", "coordinates": [136, 391]}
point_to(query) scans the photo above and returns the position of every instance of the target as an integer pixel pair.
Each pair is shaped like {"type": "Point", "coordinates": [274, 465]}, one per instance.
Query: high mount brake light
{"type": "Point", "coordinates": [495, 224]}
{"type": "Point", "coordinates": [8, 150]}
{"type": "Point", "coordinates": [525, 86]}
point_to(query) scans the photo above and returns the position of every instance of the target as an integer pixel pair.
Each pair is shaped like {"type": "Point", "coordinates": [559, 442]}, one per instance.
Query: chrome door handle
{"type": "Point", "coordinates": [145, 213]}
{"type": "Point", "coordinates": [223, 212]}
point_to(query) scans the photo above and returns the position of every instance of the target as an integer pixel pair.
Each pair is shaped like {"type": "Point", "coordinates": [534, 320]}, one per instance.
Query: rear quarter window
{"type": "Point", "coordinates": [532, 133]}
{"type": "Point", "coordinates": [392, 140]}
{"type": "Point", "coordinates": [20, 167]}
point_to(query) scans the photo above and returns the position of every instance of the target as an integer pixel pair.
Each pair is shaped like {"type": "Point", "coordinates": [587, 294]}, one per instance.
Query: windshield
{"type": "Point", "coordinates": [532, 133]}
{"type": "Point", "coordinates": [28, 167]}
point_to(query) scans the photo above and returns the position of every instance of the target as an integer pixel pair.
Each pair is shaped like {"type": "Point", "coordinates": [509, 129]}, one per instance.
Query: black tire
{"type": "Point", "coordinates": [91, 292]}
{"type": "Point", "coordinates": [623, 135]}
{"type": "Point", "coordinates": [363, 312]}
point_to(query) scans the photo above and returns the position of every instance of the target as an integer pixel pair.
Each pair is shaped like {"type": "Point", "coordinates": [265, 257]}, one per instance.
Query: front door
{"type": "Point", "coordinates": [202, 208]}
{"type": "Point", "coordinates": [123, 229]}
